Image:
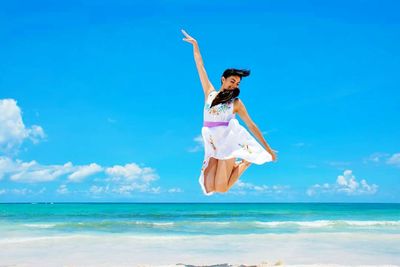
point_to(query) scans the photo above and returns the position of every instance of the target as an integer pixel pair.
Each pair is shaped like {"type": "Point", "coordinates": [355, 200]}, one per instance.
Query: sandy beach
{"type": "Point", "coordinates": [226, 250]}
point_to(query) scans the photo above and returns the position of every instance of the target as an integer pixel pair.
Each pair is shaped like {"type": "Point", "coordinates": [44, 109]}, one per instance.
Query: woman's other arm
{"type": "Point", "coordinates": [243, 114]}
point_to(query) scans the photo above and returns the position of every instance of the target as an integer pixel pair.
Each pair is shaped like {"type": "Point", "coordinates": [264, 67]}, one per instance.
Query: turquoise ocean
{"type": "Point", "coordinates": [197, 218]}
{"type": "Point", "coordinates": [133, 234]}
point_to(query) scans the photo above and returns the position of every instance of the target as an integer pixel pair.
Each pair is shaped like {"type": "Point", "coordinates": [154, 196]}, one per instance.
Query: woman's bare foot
{"type": "Point", "coordinates": [237, 171]}
{"type": "Point", "coordinates": [245, 162]}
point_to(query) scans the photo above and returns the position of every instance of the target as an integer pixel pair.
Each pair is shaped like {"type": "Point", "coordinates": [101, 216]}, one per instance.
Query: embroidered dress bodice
{"type": "Point", "coordinates": [219, 113]}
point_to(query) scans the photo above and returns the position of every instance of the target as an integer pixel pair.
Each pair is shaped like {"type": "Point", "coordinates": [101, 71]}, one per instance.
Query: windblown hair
{"type": "Point", "coordinates": [224, 96]}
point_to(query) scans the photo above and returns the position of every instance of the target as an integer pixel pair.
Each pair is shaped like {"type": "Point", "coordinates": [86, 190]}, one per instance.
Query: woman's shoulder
{"type": "Point", "coordinates": [213, 91]}
{"type": "Point", "coordinates": [237, 104]}
{"type": "Point", "coordinates": [209, 95]}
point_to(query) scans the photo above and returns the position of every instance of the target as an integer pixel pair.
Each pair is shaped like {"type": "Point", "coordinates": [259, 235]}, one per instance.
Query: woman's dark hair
{"type": "Point", "coordinates": [224, 96]}
{"type": "Point", "coordinates": [235, 72]}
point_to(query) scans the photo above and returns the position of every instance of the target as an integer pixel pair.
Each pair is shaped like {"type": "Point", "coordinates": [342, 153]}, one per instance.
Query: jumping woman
{"type": "Point", "coordinates": [224, 138]}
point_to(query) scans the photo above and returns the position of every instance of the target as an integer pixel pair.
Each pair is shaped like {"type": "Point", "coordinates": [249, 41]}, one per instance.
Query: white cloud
{"type": "Point", "coordinates": [339, 164]}
{"type": "Point", "coordinates": [244, 188]}
{"type": "Point", "coordinates": [131, 172]}
{"type": "Point", "coordinates": [6, 166]}
{"type": "Point", "coordinates": [35, 133]}
{"type": "Point", "coordinates": [127, 179]}
{"type": "Point", "coordinates": [25, 191]}
{"type": "Point", "coordinates": [12, 129]}
{"type": "Point", "coordinates": [42, 190]}
{"type": "Point", "coordinates": [84, 171]}
{"type": "Point", "coordinates": [175, 190]}
{"type": "Point", "coordinates": [370, 189]}
{"type": "Point", "coordinates": [376, 157]}
{"type": "Point", "coordinates": [199, 144]}
{"type": "Point", "coordinates": [128, 189]}
{"type": "Point", "coordinates": [346, 183]}
{"type": "Point", "coordinates": [154, 190]}
{"type": "Point", "coordinates": [33, 172]}
{"type": "Point", "coordinates": [381, 157]}
{"type": "Point", "coordinates": [62, 189]}
{"type": "Point", "coordinates": [94, 189]}
{"type": "Point", "coordinates": [124, 179]}
{"type": "Point", "coordinates": [394, 160]}
{"type": "Point", "coordinates": [22, 191]}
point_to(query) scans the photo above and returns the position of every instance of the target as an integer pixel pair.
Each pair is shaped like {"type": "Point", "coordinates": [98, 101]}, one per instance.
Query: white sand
{"type": "Point", "coordinates": [346, 249]}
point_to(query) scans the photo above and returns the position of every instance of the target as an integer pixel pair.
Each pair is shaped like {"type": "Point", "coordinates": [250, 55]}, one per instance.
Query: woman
{"type": "Point", "coordinates": [224, 138]}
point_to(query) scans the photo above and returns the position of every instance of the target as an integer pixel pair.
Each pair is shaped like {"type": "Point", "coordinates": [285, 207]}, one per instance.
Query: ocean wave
{"type": "Point", "coordinates": [329, 223]}
{"type": "Point", "coordinates": [98, 224]}
{"type": "Point", "coordinates": [318, 224]}
{"type": "Point", "coordinates": [39, 225]}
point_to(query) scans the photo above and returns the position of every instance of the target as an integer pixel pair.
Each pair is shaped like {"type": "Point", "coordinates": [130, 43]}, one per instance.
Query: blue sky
{"type": "Point", "coordinates": [101, 100]}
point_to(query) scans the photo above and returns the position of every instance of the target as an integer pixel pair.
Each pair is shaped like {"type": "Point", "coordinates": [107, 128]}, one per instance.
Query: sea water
{"type": "Point", "coordinates": [296, 233]}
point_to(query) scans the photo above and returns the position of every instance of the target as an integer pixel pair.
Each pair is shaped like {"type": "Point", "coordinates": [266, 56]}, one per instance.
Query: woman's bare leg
{"type": "Point", "coordinates": [224, 169]}
{"type": "Point", "coordinates": [209, 175]}
{"type": "Point", "coordinates": [237, 172]}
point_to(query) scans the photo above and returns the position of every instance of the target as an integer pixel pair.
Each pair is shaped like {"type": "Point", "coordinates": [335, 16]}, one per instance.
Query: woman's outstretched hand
{"type": "Point", "coordinates": [273, 154]}
{"type": "Point", "coordinates": [189, 38]}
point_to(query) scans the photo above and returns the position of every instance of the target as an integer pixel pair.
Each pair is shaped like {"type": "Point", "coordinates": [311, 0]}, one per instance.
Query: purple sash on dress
{"type": "Point", "coordinates": [215, 123]}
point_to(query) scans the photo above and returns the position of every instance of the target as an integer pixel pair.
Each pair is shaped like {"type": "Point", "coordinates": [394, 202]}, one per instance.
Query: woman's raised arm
{"type": "Point", "coordinates": [205, 82]}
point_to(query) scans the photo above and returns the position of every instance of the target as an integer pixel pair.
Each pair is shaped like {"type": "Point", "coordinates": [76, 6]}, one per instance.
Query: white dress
{"type": "Point", "coordinates": [227, 141]}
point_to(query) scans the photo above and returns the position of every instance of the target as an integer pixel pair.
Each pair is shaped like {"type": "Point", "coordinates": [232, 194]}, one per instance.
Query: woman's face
{"type": "Point", "coordinates": [231, 82]}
